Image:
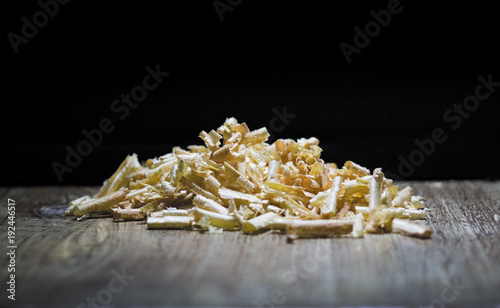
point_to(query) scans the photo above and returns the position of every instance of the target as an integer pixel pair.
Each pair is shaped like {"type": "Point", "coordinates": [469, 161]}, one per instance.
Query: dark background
{"type": "Point", "coordinates": [262, 56]}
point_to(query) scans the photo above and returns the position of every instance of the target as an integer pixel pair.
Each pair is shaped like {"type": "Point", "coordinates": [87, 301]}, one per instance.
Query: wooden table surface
{"type": "Point", "coordinates": [61, 262]}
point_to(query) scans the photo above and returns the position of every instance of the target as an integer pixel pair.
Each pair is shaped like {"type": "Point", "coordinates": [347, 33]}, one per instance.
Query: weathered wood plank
{"type": "Point", "coordinates": [4, 197]}
{"type": "Point", "coordinates": [62, 262]}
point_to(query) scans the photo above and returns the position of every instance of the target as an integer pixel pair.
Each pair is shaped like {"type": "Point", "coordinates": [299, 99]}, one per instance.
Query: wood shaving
{"type": "Point", "coordinates": [237, 181]}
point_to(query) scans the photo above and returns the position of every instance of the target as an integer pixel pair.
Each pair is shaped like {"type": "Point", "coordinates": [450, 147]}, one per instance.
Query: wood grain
{"type": "Point", "coordinates": [62, 262]}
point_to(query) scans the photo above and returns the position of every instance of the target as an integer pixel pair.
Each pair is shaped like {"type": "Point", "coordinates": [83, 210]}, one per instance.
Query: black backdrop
{"type": "Point", "coordinates": [261, 60]}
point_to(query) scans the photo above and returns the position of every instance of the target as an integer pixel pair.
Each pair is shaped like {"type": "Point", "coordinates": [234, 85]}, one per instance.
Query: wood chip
{"type": "Point", "coordinates": [237, 180]}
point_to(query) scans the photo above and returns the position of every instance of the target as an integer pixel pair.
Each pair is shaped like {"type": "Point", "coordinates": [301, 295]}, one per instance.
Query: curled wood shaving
{"type": "Point", "coordinates": [238, 181]}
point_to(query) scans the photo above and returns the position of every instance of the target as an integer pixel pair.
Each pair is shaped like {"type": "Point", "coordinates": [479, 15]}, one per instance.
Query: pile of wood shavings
{"type": "Point", "coordinates": [244, 183]}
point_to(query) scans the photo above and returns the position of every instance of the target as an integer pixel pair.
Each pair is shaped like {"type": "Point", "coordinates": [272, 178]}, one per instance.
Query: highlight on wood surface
{"type": "Point", "coordinates": [237, 181]}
